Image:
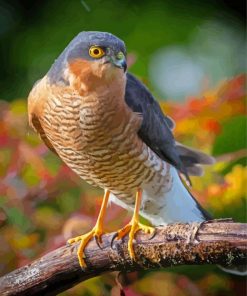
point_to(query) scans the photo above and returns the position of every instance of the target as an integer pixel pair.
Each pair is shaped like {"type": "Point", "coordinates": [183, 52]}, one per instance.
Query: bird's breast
{"type": "Point", "coordinates": [98, 140]}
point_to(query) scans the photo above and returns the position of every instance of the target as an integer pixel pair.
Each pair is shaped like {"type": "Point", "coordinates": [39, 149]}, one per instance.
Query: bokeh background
{"type": "Point", "coordinates": [191, 54]}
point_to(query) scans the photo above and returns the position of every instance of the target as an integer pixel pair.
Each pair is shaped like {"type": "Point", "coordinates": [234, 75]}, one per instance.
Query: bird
{"type": "Point", "coordinates": [105, 125]}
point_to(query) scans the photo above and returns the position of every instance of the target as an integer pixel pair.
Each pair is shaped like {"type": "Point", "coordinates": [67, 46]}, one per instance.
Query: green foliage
{"type": "Point", "coordinates": [17, 218]}
{"type": "Point", "coordinates": [232, 138]}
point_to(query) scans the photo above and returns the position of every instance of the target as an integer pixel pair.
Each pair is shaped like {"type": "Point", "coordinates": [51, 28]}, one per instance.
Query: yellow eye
{"type": "Point", "coordinates": [96, 52]}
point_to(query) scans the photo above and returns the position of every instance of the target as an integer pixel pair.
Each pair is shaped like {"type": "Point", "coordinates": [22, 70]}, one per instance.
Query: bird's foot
{"type": "Point", "coordinates": [132, 228]}
{"type": "Point", "coordinates": [96, 232]}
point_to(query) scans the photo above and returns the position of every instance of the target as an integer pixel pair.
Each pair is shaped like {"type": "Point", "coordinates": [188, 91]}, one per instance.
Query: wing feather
{"type": "Point", "coordinates": [156, 131]}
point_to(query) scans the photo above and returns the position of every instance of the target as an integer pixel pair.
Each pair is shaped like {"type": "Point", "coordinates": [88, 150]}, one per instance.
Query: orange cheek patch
{"type": "Point", "coordinates": [80, 67]}
{"type": "Point", "coordinates": [84, 74]}
{"type": "Point", "coordinates": [90, 73]}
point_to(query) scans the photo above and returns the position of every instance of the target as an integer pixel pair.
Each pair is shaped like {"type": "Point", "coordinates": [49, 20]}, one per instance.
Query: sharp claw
{"type": "Point", "coordinates": [112, 240]}
{"type": "Point", "coordinates": [153, 234]}
{"type": "Point", "coordinates": [98, 241]}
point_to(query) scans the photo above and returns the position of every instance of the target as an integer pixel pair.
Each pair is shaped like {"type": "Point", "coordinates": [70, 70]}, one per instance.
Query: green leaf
{"type": "Point", "coordinates": [69, 201]}
{"type": "Point", "coordinates": [52, 163]}
{"type": "Point", "coordinates": [233, 136]}
{"type": "Point", "coordinates": [232, 139]}
{"type": "Point", "coordinates": [30, 176]}
{"type": "Point", "coordinates": [17, 218]}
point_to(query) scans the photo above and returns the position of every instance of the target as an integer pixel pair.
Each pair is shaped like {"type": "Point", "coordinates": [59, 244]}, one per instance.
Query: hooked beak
{"type": "Point", "coordinates": [117, 60]}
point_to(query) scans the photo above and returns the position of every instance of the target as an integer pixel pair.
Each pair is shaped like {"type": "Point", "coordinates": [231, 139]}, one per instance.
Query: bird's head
{"type": "Point", "coordinates": [90, 57]}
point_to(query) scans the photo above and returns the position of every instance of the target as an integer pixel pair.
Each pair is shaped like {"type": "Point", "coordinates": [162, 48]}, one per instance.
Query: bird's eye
{"type": "Point", "coordinates": [96, 52]}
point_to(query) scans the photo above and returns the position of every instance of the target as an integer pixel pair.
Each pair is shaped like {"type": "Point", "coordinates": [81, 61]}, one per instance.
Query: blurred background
{"type": "Point", "coordinates": [191, 54]}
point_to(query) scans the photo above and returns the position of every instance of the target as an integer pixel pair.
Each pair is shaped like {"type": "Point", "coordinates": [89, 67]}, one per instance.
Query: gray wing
{"type": "Point", "coordinates": [156, 130]}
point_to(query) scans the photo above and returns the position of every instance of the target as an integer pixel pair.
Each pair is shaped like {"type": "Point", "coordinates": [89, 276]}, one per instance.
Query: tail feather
{"type": "Point", "coordinates": [195, 170]}
{"type": "Point", "coordinates": [192, 159]}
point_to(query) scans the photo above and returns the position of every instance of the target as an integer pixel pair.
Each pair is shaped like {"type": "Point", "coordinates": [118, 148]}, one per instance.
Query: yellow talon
{"type": "Point", "coordinates": [85, 238]}
{"type": "Point", "coordinates": [134, 226]}
{"type": "Point", "coordinates": [96, 232]}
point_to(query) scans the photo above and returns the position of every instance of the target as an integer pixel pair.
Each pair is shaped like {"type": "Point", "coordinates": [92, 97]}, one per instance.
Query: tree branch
{"type": "Point", "coordinates": [212, 242]}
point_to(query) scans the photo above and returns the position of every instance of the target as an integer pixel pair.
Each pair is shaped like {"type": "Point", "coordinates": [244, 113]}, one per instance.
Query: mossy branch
{"type": "Point", "coordinates": [212, 242]}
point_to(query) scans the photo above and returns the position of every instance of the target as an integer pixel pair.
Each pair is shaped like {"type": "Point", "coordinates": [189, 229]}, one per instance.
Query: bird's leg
{"type": "Point", "coordinates": [133, 226]}
{"type": "Point", "coordinates": [96, 232]}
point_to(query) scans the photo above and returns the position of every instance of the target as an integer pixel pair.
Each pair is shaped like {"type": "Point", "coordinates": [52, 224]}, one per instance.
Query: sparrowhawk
{"type": "Point", "coordinates": [107, 127]}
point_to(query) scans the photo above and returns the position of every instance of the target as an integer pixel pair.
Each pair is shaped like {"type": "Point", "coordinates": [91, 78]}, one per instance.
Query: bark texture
{"type": "Point", "coordinates": [213, 242]}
